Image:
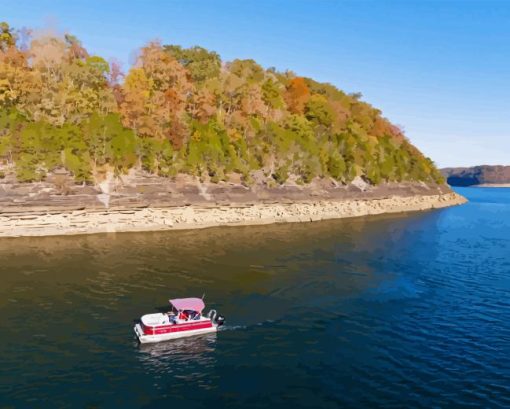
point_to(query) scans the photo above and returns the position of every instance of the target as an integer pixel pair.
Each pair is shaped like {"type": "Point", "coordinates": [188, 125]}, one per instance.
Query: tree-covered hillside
{"type": "Point", "coordinates": [185, 111]}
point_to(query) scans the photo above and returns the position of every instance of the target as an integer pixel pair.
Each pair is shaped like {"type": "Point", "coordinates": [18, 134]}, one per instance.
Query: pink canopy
{"type": "Point", "coordinates": [194, 304]}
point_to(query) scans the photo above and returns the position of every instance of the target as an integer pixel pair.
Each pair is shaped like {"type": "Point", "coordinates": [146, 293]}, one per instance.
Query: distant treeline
{"type": "Point", "coordinates": [477, 175]}
{"type": "Point", "coordinates": [185, 111]}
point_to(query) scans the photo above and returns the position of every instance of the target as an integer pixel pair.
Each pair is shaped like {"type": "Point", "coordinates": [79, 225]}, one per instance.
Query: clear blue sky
{"type": "Point", "coordinates": [439, 69]}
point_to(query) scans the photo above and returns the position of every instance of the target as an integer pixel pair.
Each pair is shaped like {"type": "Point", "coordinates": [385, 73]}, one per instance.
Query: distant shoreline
{"type": "Point", "coordinates": [491, 185]}
{"type": "Point", "coordinates": [50, 223]}
{"type": "Point", "coordinates": [478, 176]}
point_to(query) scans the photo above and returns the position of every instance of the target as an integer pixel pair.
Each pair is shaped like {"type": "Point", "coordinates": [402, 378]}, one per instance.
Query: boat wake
{"type": "Point", "coordinates": [231, 327]}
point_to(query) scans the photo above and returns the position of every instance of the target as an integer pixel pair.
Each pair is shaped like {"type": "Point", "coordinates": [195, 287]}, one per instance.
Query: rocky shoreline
{"type": "Point", "coordinates": [87, 221]}
{"type": "Point", "coordinates": [142, 202]}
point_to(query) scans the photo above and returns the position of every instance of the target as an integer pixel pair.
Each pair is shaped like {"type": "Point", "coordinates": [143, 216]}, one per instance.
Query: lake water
{"type": "Point", "coordinates": [392, 311]}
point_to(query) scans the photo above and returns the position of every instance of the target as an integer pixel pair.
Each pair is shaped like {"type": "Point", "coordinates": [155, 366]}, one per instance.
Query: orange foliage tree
{"type": "Point", "coordinates": [297, 95]}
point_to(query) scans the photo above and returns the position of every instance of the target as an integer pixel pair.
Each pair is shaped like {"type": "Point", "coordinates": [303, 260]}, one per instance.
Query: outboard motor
{"type": "Point", "coordinates": [220, 320]}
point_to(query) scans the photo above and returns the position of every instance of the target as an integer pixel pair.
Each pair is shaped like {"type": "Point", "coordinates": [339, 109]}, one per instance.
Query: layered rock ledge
{"type": "Point", "coordinates": [175, 205]}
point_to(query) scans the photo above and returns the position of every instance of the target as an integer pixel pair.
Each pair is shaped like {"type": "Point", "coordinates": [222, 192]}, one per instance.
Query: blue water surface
{"type": "Point", "coordinates": [409, 310]}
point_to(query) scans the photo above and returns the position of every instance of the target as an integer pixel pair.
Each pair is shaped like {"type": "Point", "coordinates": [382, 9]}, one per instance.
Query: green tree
{"type": "Point", "coordinates": [336, 166]}
{"type": "Point", "coordinates": [7, 37]}
{"type": "Point", "coordinates": [318, 111]}
{"type": "Point", "coordinates": [202, 64]}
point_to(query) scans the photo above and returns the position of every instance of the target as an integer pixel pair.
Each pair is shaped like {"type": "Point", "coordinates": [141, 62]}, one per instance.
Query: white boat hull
{"type": "Point", "coordinates": [148, 338]}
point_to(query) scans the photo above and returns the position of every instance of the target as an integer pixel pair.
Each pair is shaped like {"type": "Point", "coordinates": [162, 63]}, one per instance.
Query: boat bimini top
{"type": "Point", "coordinates": [193, 304]}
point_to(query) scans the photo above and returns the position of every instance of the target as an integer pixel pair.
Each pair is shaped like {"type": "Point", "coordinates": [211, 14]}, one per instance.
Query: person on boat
{"type": "Point", "coordinates": [171, 317]}
{"type": "Point", "coordinates": [193, 315]}
{"type": "Point", "coordinates": [189, 315]}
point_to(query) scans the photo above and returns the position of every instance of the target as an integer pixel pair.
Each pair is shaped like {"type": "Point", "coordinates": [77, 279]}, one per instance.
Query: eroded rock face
{"type": "Point", "coordinates": [138, 190]}
{"type": "Point", "coordinates": [42, 223]}
{"type": "Point", "coordinates": [360, 183]}
{"type": "Point", "coordinates": [477, 175]}
{"type": "Point", "coordinates": [143, 202]}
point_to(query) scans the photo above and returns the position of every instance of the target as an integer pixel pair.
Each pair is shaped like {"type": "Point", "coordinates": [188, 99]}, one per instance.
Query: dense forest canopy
{"type": "Point", "coordinates": [184, 110]}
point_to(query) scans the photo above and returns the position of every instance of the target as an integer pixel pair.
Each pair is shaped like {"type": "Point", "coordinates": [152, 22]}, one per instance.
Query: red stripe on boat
{"type": "Point", "coordinates": [166, 329]}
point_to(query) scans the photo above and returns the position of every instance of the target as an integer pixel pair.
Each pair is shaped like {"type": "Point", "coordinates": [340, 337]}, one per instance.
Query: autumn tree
{"type": "Point", "coordinates": [183, 110]}
{"type": "Point", "coordinates": [155, 96]}
{"type": "Point", "coordinates": [242, 100]}
{"type": "Point", "coordinates": [297, 95]}
{"type": "Point", "coordinates": [15, 77]}
{"type": "Point", "coordinates": [64, 84]}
